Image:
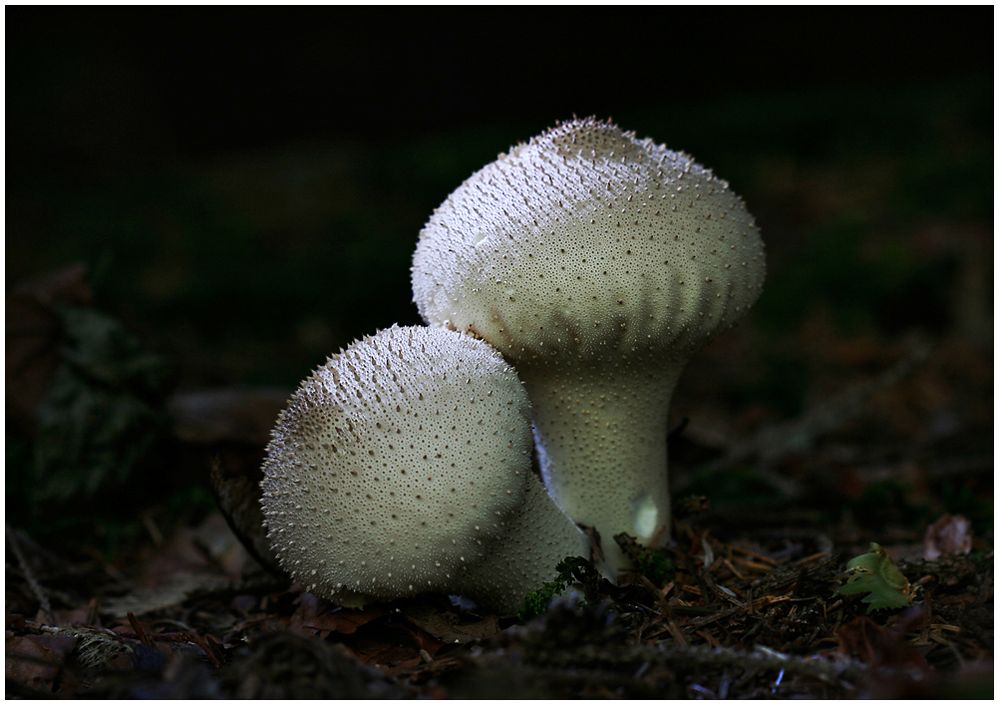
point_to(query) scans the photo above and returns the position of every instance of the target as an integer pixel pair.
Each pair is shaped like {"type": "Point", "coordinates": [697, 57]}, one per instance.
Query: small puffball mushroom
{"type": "Point", "coordinates": [403, 466]}
{"type": "Point", "coordinates": [596, 263]}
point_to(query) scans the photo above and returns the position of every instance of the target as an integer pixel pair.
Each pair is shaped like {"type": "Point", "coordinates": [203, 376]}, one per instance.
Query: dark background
{"type": "Point", "coordinates": [245, 187]}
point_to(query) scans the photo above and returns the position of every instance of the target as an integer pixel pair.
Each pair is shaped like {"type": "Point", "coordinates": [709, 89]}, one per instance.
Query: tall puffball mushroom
{"type": "Point", "coordinates": [403, 466]}
{"type": "Point", "coordinates": [596, 263]}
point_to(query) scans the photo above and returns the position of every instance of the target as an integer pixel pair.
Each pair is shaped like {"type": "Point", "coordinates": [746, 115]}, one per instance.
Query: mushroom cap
{"type": "Point", "coordinates": [396, 463]}
{"type": "Point", "coordinates": [588, 243]}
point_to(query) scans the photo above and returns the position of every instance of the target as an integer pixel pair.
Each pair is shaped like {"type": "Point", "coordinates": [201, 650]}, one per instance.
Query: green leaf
{"type": "Point", "coordinates": [875, 574]}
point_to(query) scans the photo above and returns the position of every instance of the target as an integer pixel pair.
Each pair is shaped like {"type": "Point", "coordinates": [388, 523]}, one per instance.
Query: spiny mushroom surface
{"type": "Point", "coordinates": [597, 263]}
{"type": "Point", "coordinates": [403, 466]}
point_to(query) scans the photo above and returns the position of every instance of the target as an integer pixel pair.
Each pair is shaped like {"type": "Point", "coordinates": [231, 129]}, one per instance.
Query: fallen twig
{"type": "Point", "coordinates": [829, 671]}
{"type": "Point", "coordinates": [777, 441]}
{"type": "Point", "coordinates": [29, 575]}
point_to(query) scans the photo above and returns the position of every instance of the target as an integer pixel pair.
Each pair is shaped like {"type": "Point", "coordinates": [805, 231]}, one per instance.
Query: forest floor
{"type": "Point", "coordinates": [745, 602]}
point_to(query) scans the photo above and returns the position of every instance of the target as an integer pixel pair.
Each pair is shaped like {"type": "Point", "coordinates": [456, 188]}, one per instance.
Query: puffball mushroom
{"type": "Point", "coordinates": [403, 466]}
{"type": "Point", "coordinates": [596, 263]}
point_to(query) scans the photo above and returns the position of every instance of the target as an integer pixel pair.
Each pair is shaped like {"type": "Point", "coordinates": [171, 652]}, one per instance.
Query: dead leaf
{"type": "Point", "coordinates": [448, 626]}
{"type": "Point", "coordinates": [207, 550]}
{"type": "Point", "coordinates": [192, 560]}
{"type": "Point", "coordinates": [236, 487]}
{"type": "Point", "coordinates": [951, 534]}
{"type": "Point", "coordinates": [389, 655]}
{"type": "Point", "coordinates": [34, 661]}
{"type": "Point", "coordinates": [316, 617]}
{"type": "Point", "coordinates": [428, 644]}
{"type": "Point", "coordinates": [167, 594]}
{"type": "Point", "coordinates": [868, 641]}
{"type": "Point", "coordinates": [234, 415]}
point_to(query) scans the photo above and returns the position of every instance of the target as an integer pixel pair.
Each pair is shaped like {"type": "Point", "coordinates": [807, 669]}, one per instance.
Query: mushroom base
{"type": "Point", "coordinates": [524, 557]}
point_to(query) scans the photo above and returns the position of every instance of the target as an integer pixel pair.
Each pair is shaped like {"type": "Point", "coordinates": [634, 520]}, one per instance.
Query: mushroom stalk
{"type": "Point", "coordinates": [589, 426]}
{"type": "Point", "coordinates": [536, 540]}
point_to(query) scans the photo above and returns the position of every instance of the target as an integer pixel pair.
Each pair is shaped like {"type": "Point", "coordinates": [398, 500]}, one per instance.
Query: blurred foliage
{"type": "Point", "coordinates": [825, 255]}
{"type": "Point", "coordinates": [730, 487]}
{"type": "Point", "coordinates": [960, 498]}
{"type": "Point", "coordinates": [781, 378]}
{"type": "Point", "coordinates": [99, 421]}
{"type": "Point", "coordinates": [889, 500]}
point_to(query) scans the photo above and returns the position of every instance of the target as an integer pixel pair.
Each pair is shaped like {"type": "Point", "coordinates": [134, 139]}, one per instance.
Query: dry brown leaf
{"type": "Point", "coordinates": [951, 534]}
{"type": "Point", "coordinates": [448, 628]}
{"type": "Point", "coordinates": [237, 492]}
{"type": "Point", "coordinates": [382, 653]}
{"type": "Point", "coordinates": [34, 661]}
{"type": "Point", "coordinates": [315, 617]}
{"type": "Point", "coordinates": [226, 415]}
{"type": "Point", "coordinates": [868, 641]}
{"type": "Point", "coordinates": [166, 594]}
